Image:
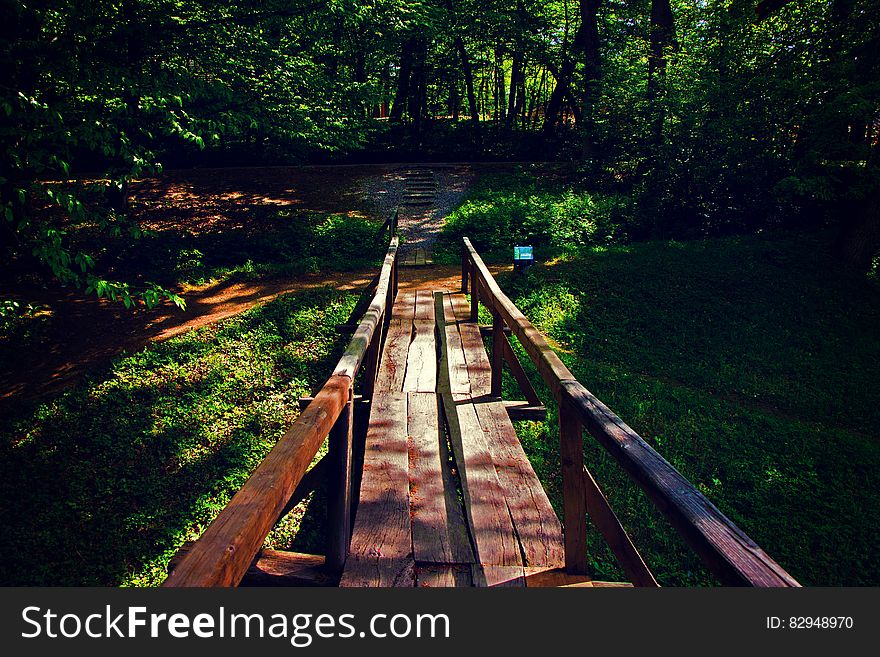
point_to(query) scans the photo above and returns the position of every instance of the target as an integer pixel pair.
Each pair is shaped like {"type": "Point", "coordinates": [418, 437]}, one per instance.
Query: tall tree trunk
{"type": "Point", "coordinates": [537, 98]}
{"type": "Point", "coordinates": [468, 81]}
{"type": "Point", "coordinates": [453, 99]}
{"type": "Point", "coordinates": [586, 44]}
{"type": "Point", "coordinates": [592, 75]}
{"type": "Point", "coordinates": [418, 89]}
{"type": "Point", "coordinates": [403, 76]}
{"type": "Point", "coordinates": [662, 36]}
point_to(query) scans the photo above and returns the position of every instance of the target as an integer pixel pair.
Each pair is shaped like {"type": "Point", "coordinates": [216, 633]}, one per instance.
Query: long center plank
{"type": "Point", "coordinates": [439, 532]}
{"type": "Point", "coordinates": [492, 530]}
{"type": "Point", "coordinates": [538, 528]}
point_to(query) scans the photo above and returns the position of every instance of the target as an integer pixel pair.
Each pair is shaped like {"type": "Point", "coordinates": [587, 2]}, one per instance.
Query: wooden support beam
{"type": "Point", "coordinates": [276, 568]}
{"type": "Point", "coordinates": [465, 270]}
{"type": "Point", "coordinates": [615, 535]}
{"type": "Point", "coordinates": [486, 330]}
{"type": "Point", "coordinates": [525, 411]}
{"type": "Point", "coordinates": [519, 374]}
{"type": "Point", "coordinates": [475, 295]}
{"type": "Point", "coordinates": [313, 478]}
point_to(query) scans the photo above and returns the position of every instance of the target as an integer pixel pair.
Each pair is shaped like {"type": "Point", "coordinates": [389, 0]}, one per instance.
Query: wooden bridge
{"type": "Point", "coordinates": [428, 484]}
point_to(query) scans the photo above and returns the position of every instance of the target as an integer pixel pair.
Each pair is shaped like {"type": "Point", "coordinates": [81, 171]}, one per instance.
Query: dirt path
{"type": "Point", "coordinates": [85, 333]}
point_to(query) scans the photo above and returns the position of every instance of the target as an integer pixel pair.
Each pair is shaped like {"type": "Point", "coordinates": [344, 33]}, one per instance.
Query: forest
{"type": "Point", "coordinates": [700, 180]}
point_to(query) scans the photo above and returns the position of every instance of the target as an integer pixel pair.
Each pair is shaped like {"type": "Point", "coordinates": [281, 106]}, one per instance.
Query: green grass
{"type": "Point", "coordinates": [288, 243]}
{"type": "Point", "coordinates": [102, 484]}
{"type": "Point", "coordinates": [751, 364]}
{"type": "Point", "coordinates": [548, 213]}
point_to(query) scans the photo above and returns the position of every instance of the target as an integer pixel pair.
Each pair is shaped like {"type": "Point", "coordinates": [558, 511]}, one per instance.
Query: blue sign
{"type": "Point", "coordinates": [523, 253]}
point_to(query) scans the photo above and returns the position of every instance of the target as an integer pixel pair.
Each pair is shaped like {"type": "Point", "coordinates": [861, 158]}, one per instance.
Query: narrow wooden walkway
{"type": "Point", "coordinates": [448, 497]}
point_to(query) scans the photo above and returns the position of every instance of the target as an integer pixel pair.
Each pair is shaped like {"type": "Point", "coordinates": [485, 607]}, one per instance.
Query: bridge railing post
{"type": "Point", "coordinates": [465, 269]}
{"type": "Point", "coordinates": [571, 448]}
{"type": "Point", "coordinates": [475, 294]}
{"type": "Point", "coordinates": [498, 340]}
{"type": "Point", "coordinates": [339, 486]}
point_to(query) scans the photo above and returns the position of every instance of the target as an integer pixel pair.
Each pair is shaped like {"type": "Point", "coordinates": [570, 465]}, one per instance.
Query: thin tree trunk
{"type": "Point", "coordinates": [500, 87]}
{"type": "Point", "coordinates": [468, 81]}
{"type": "Point", "coordinates": [537, 99]}
{"type": "Point", "coordinates": [592, 74]}
{"type": "Point", "coordinates": [586, 43]}
{"type": "Point", "coordinates": [515, 66]}
{"type": "Point", "coordinates": [403, 79]}
{"type": "Point", "coordinates": [465, 69]}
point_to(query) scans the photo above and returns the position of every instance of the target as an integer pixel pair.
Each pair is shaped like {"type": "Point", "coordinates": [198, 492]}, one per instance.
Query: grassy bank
{"type": "Point", "coordinates": [749, 363]}
{"type": "Point", "coordinates": [102, 484]}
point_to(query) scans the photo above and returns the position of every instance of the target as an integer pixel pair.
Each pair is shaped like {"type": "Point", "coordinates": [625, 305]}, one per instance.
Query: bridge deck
{"type": "Point", "coordinates": [448, 497]}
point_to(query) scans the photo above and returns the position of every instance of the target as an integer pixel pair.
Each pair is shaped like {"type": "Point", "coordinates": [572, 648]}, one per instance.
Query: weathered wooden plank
{"type": "Point", "coordinates": [223, 554]}
{"type": "Point", "coordinates": [498, 576]}
{"type": "Point", "coordinates": [459, 381]}
{"type": "Point", "coordinates": [723, 547]}
{"type": "Point", "coordinates": [489, 520]}
{"type": "Point", "coordinates": [443, 575]}
{"type": "Point", "coordinates": [421, 360]}
{"type": "Point", "coordinates": [378, 572]}
{"type": "Point", "coordinates": [277, 568]}
{"type": "Point", "coordinates": [281, 568]}
{"type": "Point", "coordinates": [382, 529]}
{"type": "Point", "coordinates": [424, 306]}
{"type": "Point", "coordinates": [541, 577]}
{"type": "Point", "coordinates": [404, 305]}
{"type": "Point", "coordinates": [537, 528]}
{"type": "Point", "coordinates": [478, 365]}
{"type": "Point", "coordinates": [392, 366]}
{"type": "Point", "coordinates": [458, 304]}
{"type": "Point", "coordinates": [439, 531]}
{"type": "Point", "coordinates": [491, 528]}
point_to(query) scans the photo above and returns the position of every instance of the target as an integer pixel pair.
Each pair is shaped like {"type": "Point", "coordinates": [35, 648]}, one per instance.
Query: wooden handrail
{"type": "Point", "coordinates": [363, 336]}
{"type": "Point", "coordinates": [224, 552]}
{"type": "Point", "coordinates": [724, 549]}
